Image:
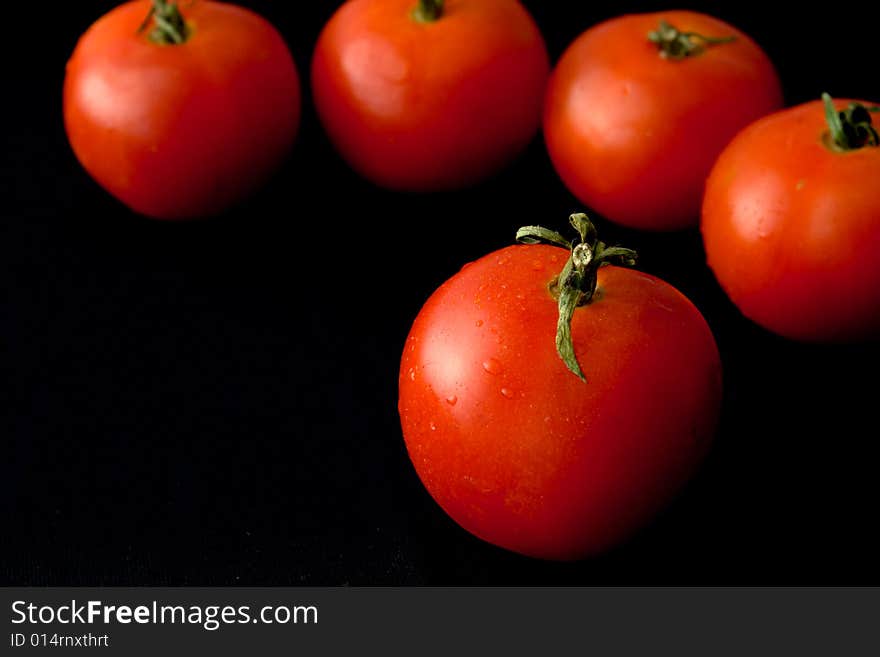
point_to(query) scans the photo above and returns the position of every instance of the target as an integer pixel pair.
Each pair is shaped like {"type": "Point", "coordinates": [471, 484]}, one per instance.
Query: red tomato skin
{"type": "Point", "coordinates": [429, 106]}
{"type": "Point", "coordinates": [517, 449]}
{"type": "Point", "coordinates": [792, 228]}
{"type": "Point", "coordinates": [633, 135]}
{"type": "Point", "coordinates": [184, 131]}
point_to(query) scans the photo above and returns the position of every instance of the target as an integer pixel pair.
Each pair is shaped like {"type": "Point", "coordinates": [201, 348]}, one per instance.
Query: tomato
{"type": "Point", "coordinates": [426, 95]}
{"type": "Point", "coordinates": [791, 225]}
{"type": "Point", "coordinates": [633, 133]}
{"type": "Point", "coordinates": [181, 130]}
{"type": "Point", "coordinates": [520, 451]}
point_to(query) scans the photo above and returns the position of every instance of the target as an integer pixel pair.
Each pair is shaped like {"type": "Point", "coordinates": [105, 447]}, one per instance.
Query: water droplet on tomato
{"type": "Point", "coordinates": [412, 374]}
{"type": "Point", "coordinates": [507, 392]}
{"type": "Point", "coordinates": [452, 400]}
{"type": "Point", "coordinates": [537, 265]}
{"type": "Point", "coordinates": [479, 323]}
{"type": "Point", "coordinates": [433, 426]}
{"type": "Point", "coordinates": [492, 366]}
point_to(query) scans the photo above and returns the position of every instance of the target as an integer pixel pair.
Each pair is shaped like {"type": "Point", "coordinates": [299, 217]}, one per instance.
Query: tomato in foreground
{"type": "Point", "coordinates": [425, 95]}
{"type": "Point", "coordinates": [184, 120]}
{"type": "Point", "coordinates": [791, 222]}
{"type": "Point", "coordinates": [506, 436]}
{"type": "Point", "coordinates": [639, 107]}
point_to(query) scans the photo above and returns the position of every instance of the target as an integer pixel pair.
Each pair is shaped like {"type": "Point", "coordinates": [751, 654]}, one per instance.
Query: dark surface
{"type": "Point", "coordinates": [215, 402]}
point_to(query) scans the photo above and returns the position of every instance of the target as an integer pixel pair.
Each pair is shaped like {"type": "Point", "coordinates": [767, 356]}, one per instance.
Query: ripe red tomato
{"type": "Point", "coordinates": [634, 133]}
{"type": "Point", "coordinates": [520, 451]}
{"type": "Point", "coordinates": [791, 224]}
{"type": "Point", "coordinates": [181, 130]}
{"type": "Point", "coordinates": [429, 103]}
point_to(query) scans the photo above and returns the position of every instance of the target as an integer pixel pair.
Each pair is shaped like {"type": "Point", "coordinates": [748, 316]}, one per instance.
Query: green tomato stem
{"type": "Point", "coordinates": [428, 11]}
{"type": "Point", "coordinates": [169, 26]}
{"type": "Point", "coordinates": [850, 129]}
{"type": "Point", "coordinates": [576, 283]}
{"type": "Point", "coordinates": [674, 44]}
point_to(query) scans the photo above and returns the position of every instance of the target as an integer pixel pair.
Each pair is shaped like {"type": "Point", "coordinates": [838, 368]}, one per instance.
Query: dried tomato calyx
{"type": "Point", "coordinates": [851, 128]}
{"type": "Point", "coordinates": [169, 26]}
{"type": "Point", "coordinates": [576, 283]}
{"type": "Point", "coordinates": [428, 11]}
{"type": "Point", "coordinates": [675, 44]}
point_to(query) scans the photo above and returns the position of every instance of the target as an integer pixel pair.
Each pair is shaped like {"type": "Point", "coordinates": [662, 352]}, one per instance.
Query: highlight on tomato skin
{"type": "Point", "coordinates": [639, 107]}
{"type": "Point", "coordinates": [791, 222]}
{"type": "Point", "coordinates": [518, 449]}
{"type": "Point", "coordinates": [425, 95]}
{"type": "Point", "coordinates": [181, 121]}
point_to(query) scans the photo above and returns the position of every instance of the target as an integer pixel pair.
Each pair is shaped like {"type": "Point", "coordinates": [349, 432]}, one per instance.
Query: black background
{"type": "Point", "coordinates": [215, 402]}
